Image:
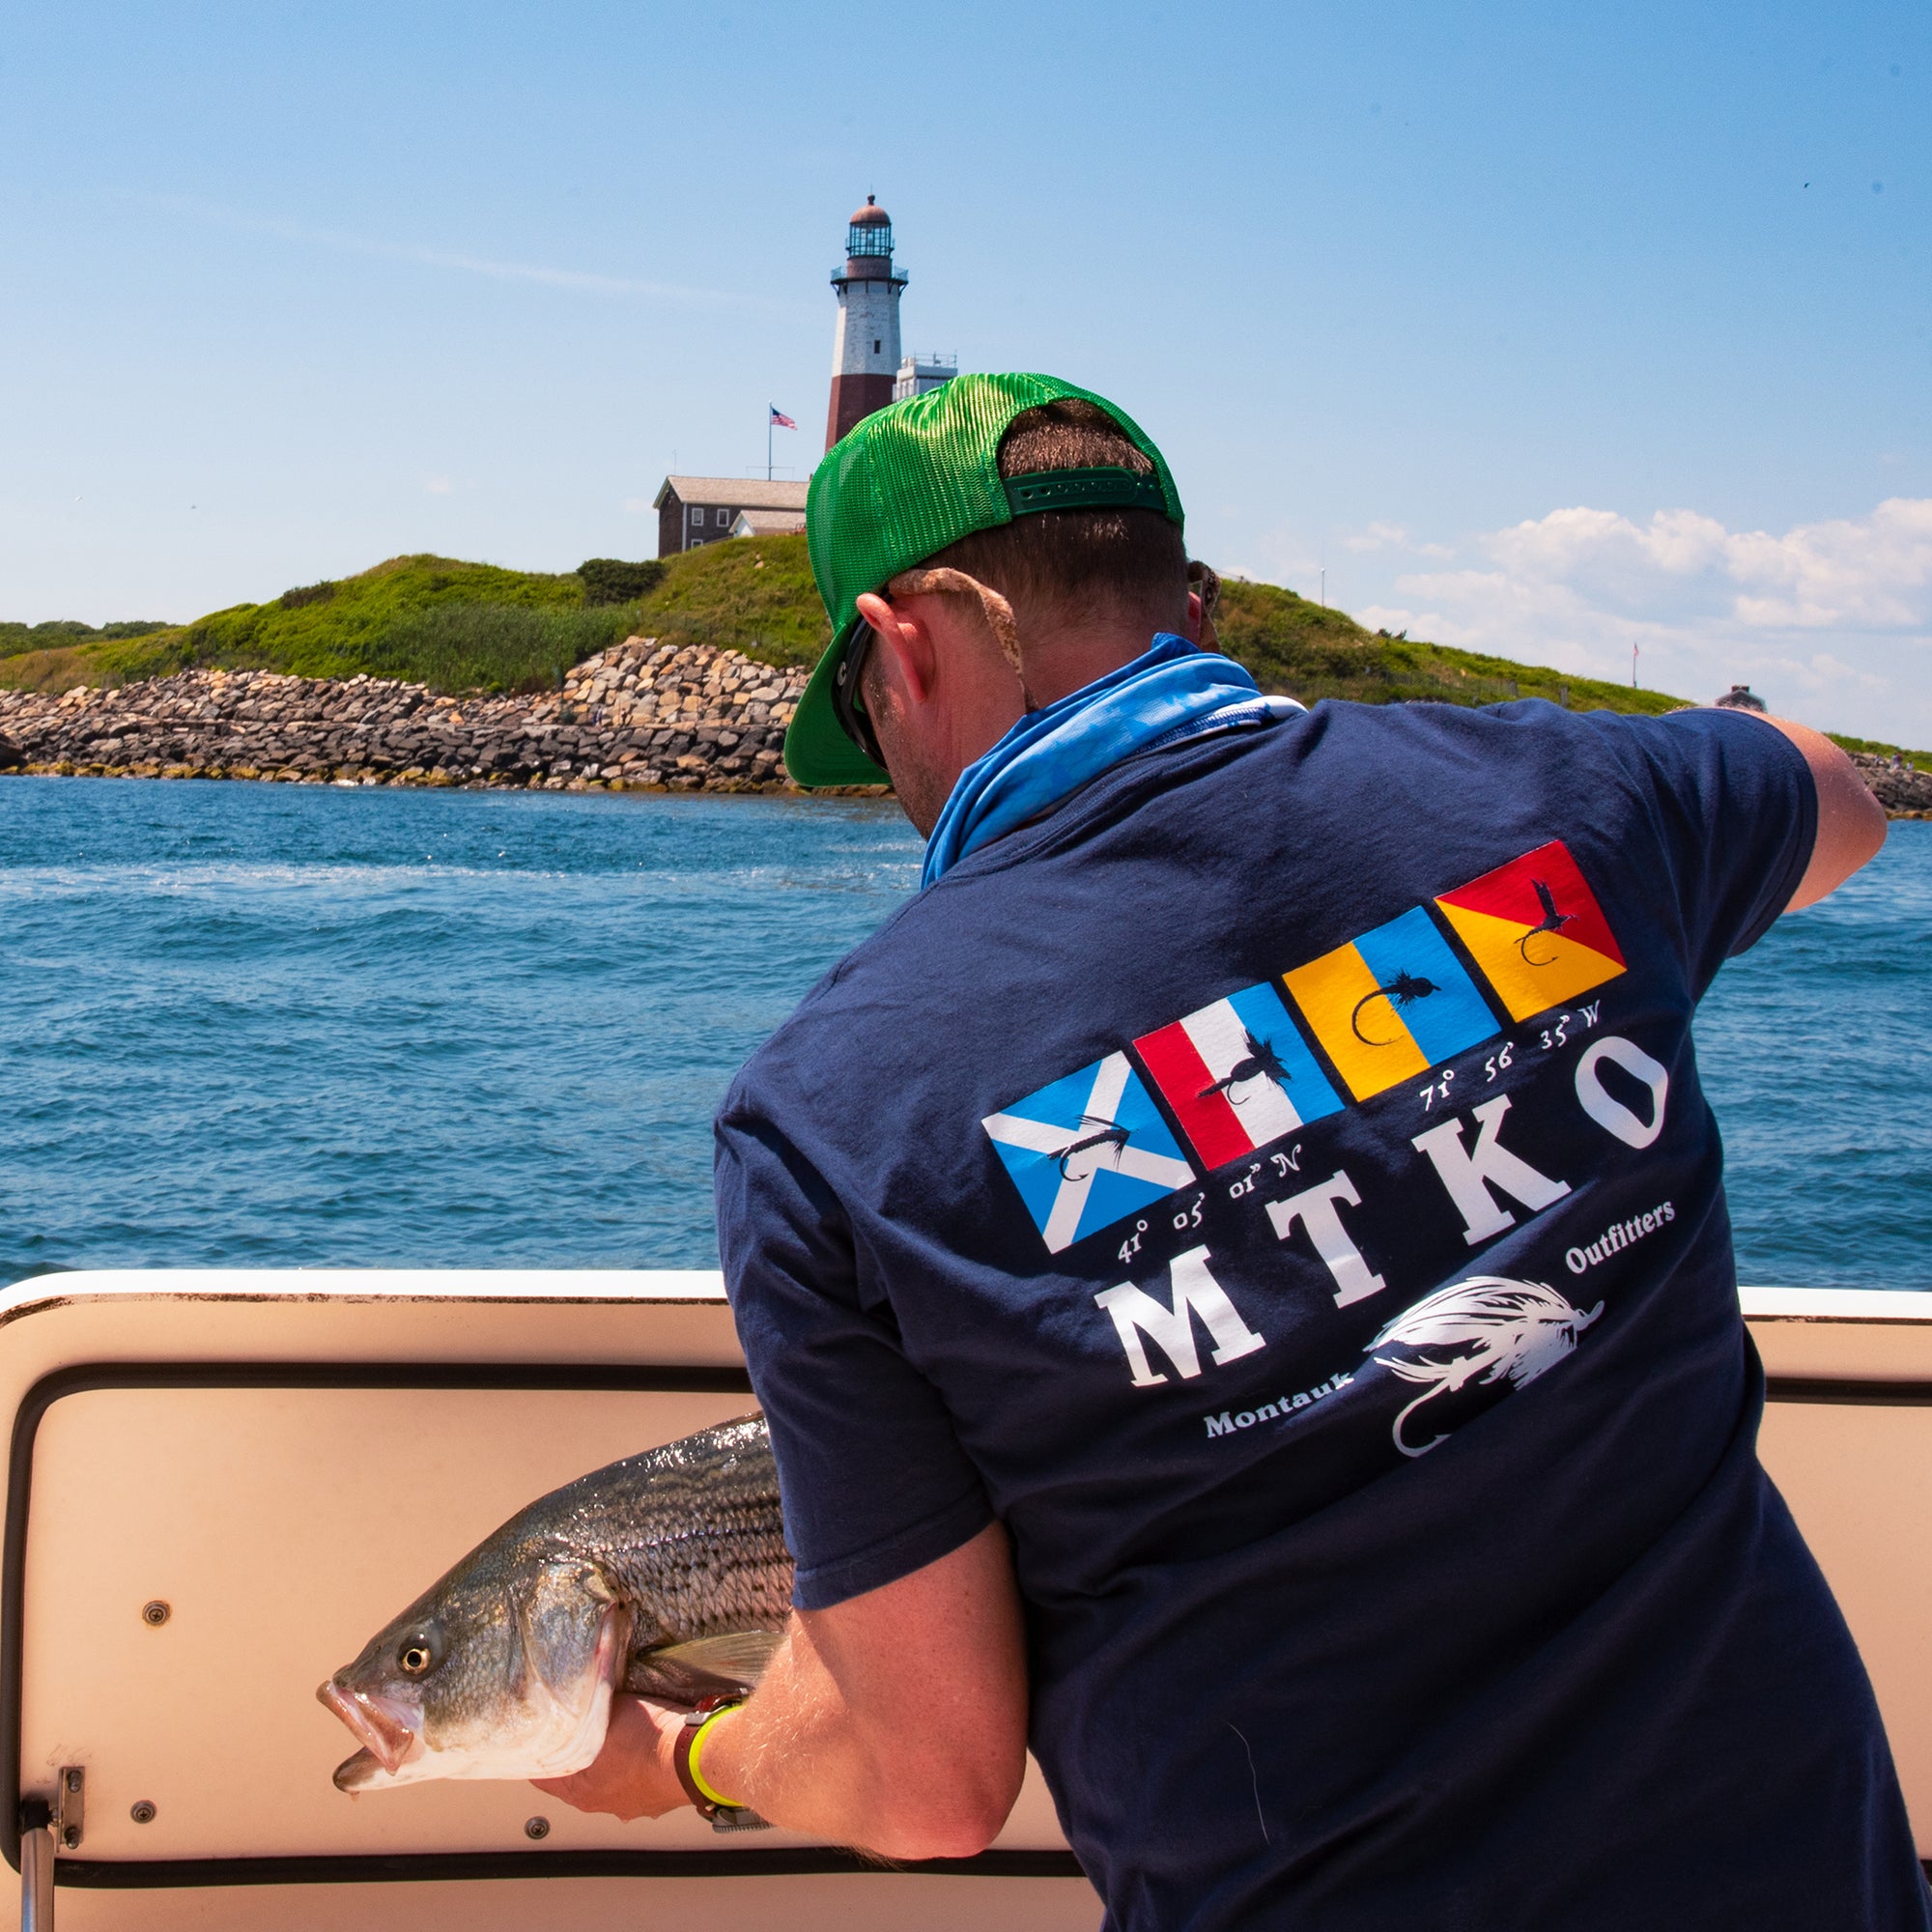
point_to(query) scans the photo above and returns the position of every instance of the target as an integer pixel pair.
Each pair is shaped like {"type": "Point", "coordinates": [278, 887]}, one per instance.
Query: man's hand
{"type": "Point", "coordinates": [633, 1775]}
{"type": "Point", "coordinates": [1851, 821]}
{"type": "Point", "coordinates": [894, 1721]}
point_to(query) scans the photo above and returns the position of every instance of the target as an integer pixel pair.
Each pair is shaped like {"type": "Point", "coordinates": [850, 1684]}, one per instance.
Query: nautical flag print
{"type": "Point", "coordinates": [1238, 1075]}
{"type": "Point", "coordinates": [1391, 1003]}
{"type": "Point", "coordinates": [1088, 1151]}
{"type": "Point", "coordinates": [1535, 929]}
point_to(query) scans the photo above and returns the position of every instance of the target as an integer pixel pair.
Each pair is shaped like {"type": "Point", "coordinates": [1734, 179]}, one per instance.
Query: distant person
{"type": "Point", "coordinates": [1741, 697]}
{"type": "Point", "coordinates": [1237, 1267]}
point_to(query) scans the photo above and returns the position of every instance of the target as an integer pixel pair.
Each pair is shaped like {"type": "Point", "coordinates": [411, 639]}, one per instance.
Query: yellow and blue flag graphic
{"type": "Point", "coordinates": [1088, 1151]}
{"type": "Point", "coordinates": [1390, 1005]}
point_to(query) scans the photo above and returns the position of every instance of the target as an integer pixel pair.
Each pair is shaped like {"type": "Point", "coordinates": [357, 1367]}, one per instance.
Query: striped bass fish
{"type": "Point", "coordinates": [665, 1574]}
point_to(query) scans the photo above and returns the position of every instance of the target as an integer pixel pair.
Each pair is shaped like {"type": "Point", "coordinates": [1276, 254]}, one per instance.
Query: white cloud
{"type": "Point", "coordinates": [1832, 620]}
{"type": "Point", "coordinates": [1379, 536]}
{"type": "Point", "coordinates": [1870, 574]}
{"type": "Point", "coordinates": [1392, 536]}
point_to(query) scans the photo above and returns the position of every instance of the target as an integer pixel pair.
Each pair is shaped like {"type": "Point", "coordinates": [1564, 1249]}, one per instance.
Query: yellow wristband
{"type": "Point", "coordinates": [697, 1777]}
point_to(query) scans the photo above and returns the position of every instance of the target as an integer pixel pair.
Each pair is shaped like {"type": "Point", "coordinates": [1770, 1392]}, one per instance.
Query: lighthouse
{"type": "Point", "coordinates": [866, 347]}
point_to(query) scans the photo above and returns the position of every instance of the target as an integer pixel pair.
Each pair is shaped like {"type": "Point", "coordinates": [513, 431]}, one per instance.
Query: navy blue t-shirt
{"type": "Point", "coordinates": [1277, 1186]}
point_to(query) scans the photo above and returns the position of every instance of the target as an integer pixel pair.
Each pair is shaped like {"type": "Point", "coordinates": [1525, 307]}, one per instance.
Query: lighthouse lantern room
{"type": "Point", "coordinates": [866, 348]}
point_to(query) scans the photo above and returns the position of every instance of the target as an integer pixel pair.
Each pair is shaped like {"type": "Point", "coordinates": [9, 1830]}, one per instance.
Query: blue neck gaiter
{"type": "Point", "coordinates": [1172, 691]}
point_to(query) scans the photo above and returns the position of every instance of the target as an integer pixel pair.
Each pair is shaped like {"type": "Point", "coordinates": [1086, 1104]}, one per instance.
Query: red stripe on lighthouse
{"type": "Point", "coordinates": [1185, 1081]}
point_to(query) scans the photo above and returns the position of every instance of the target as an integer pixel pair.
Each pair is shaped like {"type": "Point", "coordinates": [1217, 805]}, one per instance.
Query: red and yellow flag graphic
{"type": "Point", "coordinates": [1536, 931]}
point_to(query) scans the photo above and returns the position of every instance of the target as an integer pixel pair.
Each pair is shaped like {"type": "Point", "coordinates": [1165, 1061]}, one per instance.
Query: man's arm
{"type": "Point", "coordinates": [894, 1721]}
{"type": "Point", "coordinates": [1851, 821]}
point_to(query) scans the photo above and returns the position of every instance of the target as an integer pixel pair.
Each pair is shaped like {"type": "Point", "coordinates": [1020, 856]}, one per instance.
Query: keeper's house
{"type": "Point", "coordinates": [693, 510]}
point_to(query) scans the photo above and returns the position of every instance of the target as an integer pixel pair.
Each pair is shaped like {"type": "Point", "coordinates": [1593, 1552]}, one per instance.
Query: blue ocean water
{"type": "Point", "coordinates": [281, 1024]}
{"type": "Point", "coordinates": [298, 1025]}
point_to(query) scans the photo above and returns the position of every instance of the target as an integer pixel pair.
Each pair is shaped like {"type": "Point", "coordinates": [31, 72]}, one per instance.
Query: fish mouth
{"type": "Point", "coordinates": [385, 1734]}
{"type": "Point", "coordinates": [355, 1771]}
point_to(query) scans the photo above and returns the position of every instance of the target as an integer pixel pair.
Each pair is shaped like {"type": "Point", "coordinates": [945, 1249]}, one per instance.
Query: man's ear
{"type": "Point", "coordinates": [1191, 630]}
{"type": "Point", "coordinates": [905, 643]}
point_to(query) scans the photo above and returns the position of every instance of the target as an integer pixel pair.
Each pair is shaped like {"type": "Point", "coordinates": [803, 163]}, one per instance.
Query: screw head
{"type": "Point", "coordinates": [142, 1812]}
{"type": "Point", "coordinates": [73, 1779]}
{"type": "Point", "coordinates": [536, 1828]}
{"type": "Point", "coordinates": [156, 1612]}
{"type": "Point", "coordinates": [71, 1837]}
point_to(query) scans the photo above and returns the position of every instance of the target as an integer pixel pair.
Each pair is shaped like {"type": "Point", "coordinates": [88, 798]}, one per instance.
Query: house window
{"type": "Point", "coordinates": [876, 344]}
{"type": "Point", "coordinates": [698, 516]}
{"type": "Point", "coordinates": [724, 518]}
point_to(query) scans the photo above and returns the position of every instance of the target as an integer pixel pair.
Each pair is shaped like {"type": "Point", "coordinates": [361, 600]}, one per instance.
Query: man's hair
{"type": "Point", "coordinates": [1050, 560]}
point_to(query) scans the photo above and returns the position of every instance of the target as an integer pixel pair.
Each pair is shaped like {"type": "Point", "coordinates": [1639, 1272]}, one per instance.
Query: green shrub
{"type": "Point", "coordinates": [492, 646]}
{"type": "Point", "coordinates": [752, 594]}
{"type": "Point", "coordinates": [64, 633]}
{"type": "Point", "coordinates": [608, 579]}
{"type": "Point", "coordinates": [308, 593]}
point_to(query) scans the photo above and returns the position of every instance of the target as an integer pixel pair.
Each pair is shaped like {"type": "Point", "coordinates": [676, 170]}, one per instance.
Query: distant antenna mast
{"type": "Point", "coordinates": [1633, 664]}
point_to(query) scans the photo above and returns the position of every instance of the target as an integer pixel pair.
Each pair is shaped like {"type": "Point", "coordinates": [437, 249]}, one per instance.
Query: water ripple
{"type": "Point", "coordinates": [298, 1025]}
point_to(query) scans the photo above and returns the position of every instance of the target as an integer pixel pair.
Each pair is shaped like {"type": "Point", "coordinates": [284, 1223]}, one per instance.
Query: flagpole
{"type": "Point", "coordinates": [768, 443]}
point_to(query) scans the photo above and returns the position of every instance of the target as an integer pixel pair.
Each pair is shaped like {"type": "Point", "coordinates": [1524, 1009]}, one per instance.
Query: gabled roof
{"type": "Point", "coordinates": [740, 493]}
{"type": "Point", "coordinates": [769, 523]}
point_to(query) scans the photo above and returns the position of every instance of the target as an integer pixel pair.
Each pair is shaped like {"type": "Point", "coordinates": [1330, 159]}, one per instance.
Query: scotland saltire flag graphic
{"type": "Point", "coordinates": [1238, 1075]}
{"type": "Point", "coordinates": [1088, 1151]}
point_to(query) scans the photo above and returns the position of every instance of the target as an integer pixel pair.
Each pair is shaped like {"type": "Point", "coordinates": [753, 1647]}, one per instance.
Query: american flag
{"type": "Point", "coordinates": [779, 420]}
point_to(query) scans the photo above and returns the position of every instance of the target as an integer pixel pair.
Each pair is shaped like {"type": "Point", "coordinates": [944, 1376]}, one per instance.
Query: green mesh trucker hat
{"type": "Point", "coordinates": [906, 482]}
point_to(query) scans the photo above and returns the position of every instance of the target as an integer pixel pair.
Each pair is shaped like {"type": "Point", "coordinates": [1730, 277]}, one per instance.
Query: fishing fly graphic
{"type": "Point", "coordinates": [1479, 1333]}
{"type": "Point", "coordinates": [1112, 1136]}
{"type": "Point", "coordinates": [1551, 921]}
{"type": "Point", "coordinates": [1403, 990]}
{"type": "Point", "coordinates": [1260, 1060]}
{"type": "Point", "coordinates": [1087, 1151]}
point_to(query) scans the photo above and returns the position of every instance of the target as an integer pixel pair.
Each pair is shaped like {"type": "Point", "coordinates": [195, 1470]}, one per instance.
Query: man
{"type": "Point", "coordinates": [1237, 1268]}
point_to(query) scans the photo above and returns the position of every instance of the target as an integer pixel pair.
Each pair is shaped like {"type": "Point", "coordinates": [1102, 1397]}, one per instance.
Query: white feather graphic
{"type": "Point", "coordinates": [1486, 1330]}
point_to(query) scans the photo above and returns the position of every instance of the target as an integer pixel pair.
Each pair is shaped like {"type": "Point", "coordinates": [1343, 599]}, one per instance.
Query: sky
{"type": "Point", "coordinates": [1553, 331]}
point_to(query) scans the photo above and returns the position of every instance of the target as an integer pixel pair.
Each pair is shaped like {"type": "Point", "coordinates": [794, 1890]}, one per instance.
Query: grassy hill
{"type": "Point", "coordinates": [1311, 651]}
{"type": "Point", "coordinates": [458, 625]}
{"type": "Point", "coordinates": [471, 626]}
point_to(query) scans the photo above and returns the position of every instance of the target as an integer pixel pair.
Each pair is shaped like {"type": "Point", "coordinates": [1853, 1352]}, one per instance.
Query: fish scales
{"type": "Point", "coordinates": [692, 1541]}
{"type": "Point", "coordinates": [689, 1536]}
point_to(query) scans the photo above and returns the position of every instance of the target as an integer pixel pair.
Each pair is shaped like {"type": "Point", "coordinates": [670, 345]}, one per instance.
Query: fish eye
{"type": "Point", "coordinates": [416, 1657]}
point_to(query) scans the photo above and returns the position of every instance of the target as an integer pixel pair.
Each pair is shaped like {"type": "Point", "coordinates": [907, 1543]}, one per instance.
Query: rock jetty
{"type": "Point", "coordinates": [1905, 791]}
{"type": "Point", "coordinates": [640, 714]}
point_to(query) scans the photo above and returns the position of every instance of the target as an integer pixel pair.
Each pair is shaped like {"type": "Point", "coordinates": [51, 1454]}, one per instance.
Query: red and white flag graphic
{"type": "Point", "coordinates": [1236, 1075]}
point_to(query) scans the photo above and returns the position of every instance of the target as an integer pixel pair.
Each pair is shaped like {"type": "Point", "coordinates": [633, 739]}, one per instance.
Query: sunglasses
{"type": "Point", "coordinates": [850, 674]}
{"type": "Point", "coordinates": [845, 705]}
